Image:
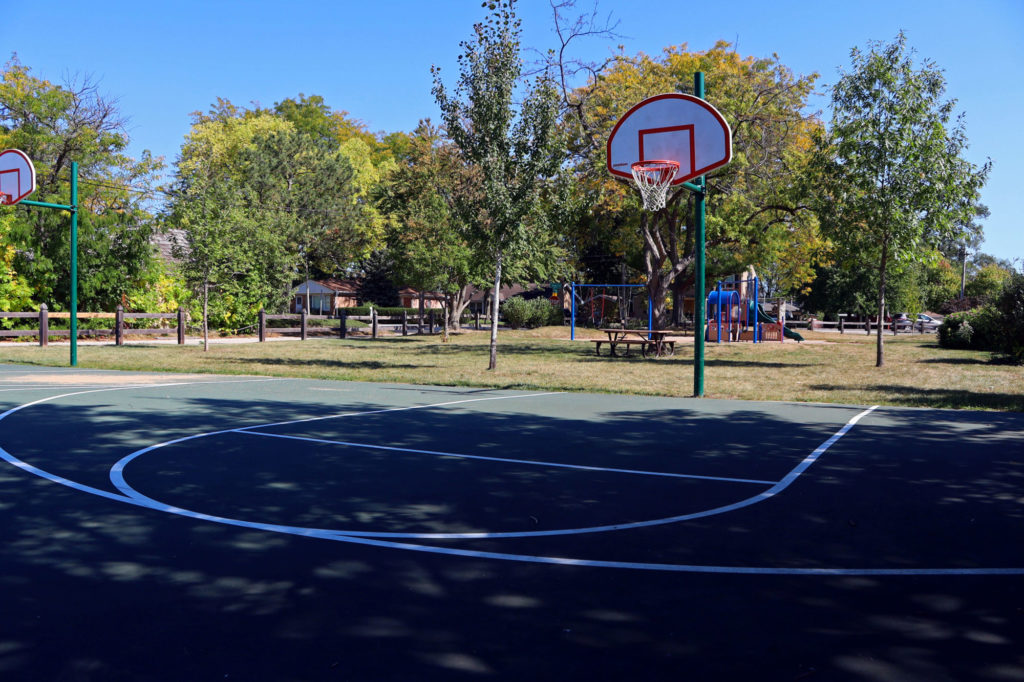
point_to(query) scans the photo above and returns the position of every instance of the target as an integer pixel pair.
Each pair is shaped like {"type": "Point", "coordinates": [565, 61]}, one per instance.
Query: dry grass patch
{"type": "Point", "coordinates": [840, 369]}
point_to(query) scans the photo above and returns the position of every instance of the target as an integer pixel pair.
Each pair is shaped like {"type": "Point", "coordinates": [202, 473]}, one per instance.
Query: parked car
{"type": "Point", "coordinates": [928, 322]}
{"type": "Point", "coordinates": [903, 321]}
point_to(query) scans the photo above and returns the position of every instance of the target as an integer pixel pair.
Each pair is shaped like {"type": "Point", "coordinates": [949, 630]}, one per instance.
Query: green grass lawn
{"type": "Point", "coordinates": [841, 370]}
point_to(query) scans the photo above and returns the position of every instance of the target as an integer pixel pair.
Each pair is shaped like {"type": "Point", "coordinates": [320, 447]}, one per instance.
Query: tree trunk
{"type": "Point", "coordinates": [459, 303]}
{"type": "Point", "coordinates": [446, 313]}
{"type": "Point", "coordinates": [206, 318]}
{"type": "Point", "coordinates": [879, 344]}
{"type": "Point", "coordinates": [495, 297]}
{"type": "Point", "coordinates": [963, 269]}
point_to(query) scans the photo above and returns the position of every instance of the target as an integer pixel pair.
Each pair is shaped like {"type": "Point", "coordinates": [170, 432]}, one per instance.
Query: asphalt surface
{"type": "Point", "coordinates": [209, 528]}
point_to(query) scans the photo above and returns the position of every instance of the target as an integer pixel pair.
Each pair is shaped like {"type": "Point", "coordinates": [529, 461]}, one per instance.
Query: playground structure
{"type": "Point", "coordinates": [735, 315]}
{"type": "Point", "coordinates": [598, 305]}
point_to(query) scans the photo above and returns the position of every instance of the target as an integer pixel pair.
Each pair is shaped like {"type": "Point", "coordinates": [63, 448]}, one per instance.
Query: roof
{"type": "Point", "coordinates": [328, 286]}
{"type": "Point", "coordinates": [165, 242]}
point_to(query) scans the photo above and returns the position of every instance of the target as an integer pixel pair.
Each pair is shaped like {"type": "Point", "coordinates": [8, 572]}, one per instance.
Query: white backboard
{"type": "Point", "coordinates": [670, 127]}
{"type": "Point", "coordinates": [17, 176]}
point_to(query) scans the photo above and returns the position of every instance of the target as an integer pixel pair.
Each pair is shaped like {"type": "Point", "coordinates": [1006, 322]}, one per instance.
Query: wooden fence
{"type": "Point", "coordinates": [119, 330]}
{"type": "Point", "coordinates": [121, 325]}
{"type": "Point", "coordinates": [896, 327]}
{"type": "Point", "coordinates": [398, 323]}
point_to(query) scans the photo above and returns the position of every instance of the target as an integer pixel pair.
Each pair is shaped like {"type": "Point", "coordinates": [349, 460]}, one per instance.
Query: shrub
{"type": "Point", "coordinates": [387, 312]}
{"type": "Point", "coordinates": [963, 335]}
{"type": "Point", "coordinates": [1009, 306]}
{"type": "Point", "coordinates": [997, 327]}
{"type": "Point", "coordinates": [537, 312]}
{"type": "Point", "coordinates": [949, 331]}
{"type": "Point", "coordinates": [977, 329]}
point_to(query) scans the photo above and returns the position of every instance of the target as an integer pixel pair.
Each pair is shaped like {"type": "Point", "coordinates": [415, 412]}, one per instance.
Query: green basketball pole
{"type": "Point", "coordinates": [700, 190]}
{"type": "Point", "coordinates": [73, 208]}
{"type": "Point", "coordinates": [74, 264]}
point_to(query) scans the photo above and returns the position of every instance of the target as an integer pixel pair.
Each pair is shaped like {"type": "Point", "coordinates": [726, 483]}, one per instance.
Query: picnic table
{"type": "Point", "coordinates": [656, 340]}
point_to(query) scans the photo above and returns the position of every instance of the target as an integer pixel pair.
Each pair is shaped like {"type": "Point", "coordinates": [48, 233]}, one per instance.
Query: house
{"type": "Point", "coordinates": [324, 296]}
{"type": "Point", "coordinates": [410, 298]}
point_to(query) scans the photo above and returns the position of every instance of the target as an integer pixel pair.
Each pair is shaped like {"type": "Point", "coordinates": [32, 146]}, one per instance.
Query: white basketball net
{"type": "Point", "coordinates": [653, 179]}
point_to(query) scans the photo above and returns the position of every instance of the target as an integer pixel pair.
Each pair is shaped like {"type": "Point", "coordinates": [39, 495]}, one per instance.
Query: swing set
{"type": "Point", "coordinates": [595, 305]}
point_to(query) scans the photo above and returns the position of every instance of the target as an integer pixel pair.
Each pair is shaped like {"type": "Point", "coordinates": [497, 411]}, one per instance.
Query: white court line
{"type": "Point", "coordinates": [559, 561]}
{"type": "Point", "coordinates": [118, 479]}
{"type": "Point", "coordinates": [392, 409]}
{"type": "Point", "coordinates": [506, 460]}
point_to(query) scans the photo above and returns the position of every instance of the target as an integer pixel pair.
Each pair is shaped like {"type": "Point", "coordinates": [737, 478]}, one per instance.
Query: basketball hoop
{"type": "Point", "coordinates": [653, 179]}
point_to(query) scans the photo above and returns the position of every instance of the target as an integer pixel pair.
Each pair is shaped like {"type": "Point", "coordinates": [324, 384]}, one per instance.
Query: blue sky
{"type": "Point", "coordinates": [163, 60]}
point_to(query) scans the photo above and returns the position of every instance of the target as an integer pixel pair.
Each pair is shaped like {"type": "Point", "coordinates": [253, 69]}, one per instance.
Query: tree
{"type": "Point", "coordinates": [303, 188]}
{"type": "Point", "coordinates": [511, 152]}
{"type": "Point", "coordinates": [892, 179]}
{"type": "Point", "coordinates": [377, 280]}
{"type": "Point", "coordinates": [293, 207]}
{"type": "Point", "coordinates": [55, 125]}
{"type": "Point", "coordinates": [427, 237]}
{"type": "Point", "coordinates": [988, 282]}
{"type": "Point", "coordinates": [214, 253]}
{"type": "Point", "coordinates": [15, 293]}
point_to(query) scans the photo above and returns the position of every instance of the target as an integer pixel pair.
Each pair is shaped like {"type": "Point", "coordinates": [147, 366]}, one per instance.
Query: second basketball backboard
{"type": "Point", "coordinates": [17, 176]}
{"type": "Point", "coordinates": [670, 127]}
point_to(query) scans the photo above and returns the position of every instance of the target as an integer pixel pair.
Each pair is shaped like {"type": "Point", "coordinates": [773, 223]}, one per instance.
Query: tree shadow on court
{"type": "Point", "coordinates": [940, 398]}
{"type": "Point", "coordinates": [99, 589]}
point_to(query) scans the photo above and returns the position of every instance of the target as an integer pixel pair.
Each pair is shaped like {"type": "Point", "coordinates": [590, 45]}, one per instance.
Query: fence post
{"type": "Point", "coordinates": [405, 323]}
{"type": "Point", "coordinates": [261, 328]}
{"type": "Point", "coordinates": [302, 324]}
{"type": "Point", "coordinates": [119, 326]}
{"type": "Point", "coordinates": [373, 322]}
{"type": "Point", "coordinates": [477, 319]}
{"type": "Point", "coordinates": [44, 325]}
{"type": "Point", "coordinates": [181, 326]}
{"type": "Point", "coordinates": [841, 319]}
{"type": "Point", "coordinates": [343, 326]}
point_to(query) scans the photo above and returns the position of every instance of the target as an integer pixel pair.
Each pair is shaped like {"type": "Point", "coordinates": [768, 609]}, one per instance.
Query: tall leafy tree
{"type": "Point", "coordinates": [893, 181]}
{"type": "Point", "coordinates": [293, 206]}
{"type": "Point", "coordinates": [73, 122]}
{"type": "Point", "coordinates": [15, 293]}
{"type": "Point", "coordinates": [512, 151]}
{"type": "Point", "coordinates": [214, 253]}
{"type": "Point", "coordinates": [303, 188]}
{"type": "Point", "coordinates": [427, 236]}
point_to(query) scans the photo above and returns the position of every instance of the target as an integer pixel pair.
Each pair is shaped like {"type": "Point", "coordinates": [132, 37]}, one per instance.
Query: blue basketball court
{"type": "Point", "coordinates": [171, 527]}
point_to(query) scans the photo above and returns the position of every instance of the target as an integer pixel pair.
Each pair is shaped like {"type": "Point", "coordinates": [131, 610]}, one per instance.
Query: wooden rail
{"type": "Point", "coordinates": [119, 330]}
{"type": "Point", "coordinates": [897, 327]}
{"type": "Point", "coordinates": [304, 330]}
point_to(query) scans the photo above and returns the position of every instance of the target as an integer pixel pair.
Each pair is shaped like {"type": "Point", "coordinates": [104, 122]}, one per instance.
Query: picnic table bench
{"type": "Point", "coordinates": [655, 340]}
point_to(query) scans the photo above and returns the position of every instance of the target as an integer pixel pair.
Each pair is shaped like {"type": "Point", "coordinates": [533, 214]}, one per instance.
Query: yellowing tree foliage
{"type": "Point", "coordinates": [757, 212]}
